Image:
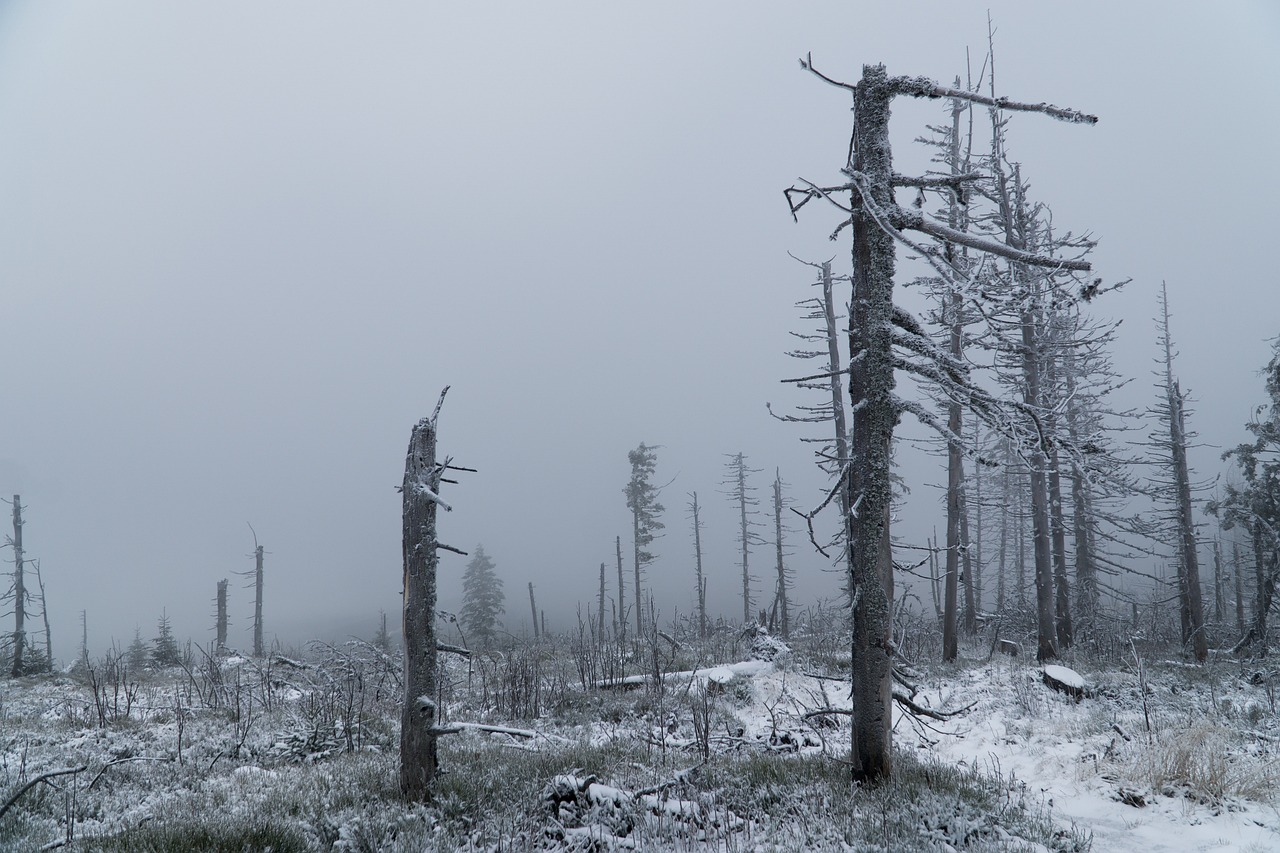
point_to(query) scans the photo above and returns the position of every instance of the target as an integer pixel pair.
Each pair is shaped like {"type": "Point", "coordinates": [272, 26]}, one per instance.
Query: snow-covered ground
{"type": "Point", "coordinates": [1172, 758]}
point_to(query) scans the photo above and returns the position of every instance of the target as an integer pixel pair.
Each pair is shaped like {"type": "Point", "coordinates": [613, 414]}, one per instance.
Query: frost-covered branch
{"type": "Point", "coordinates": [923, 87]}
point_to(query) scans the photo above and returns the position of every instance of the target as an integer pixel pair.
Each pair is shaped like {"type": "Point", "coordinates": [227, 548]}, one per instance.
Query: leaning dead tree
{"type": "Point", "coordinates": [419, 718]}
{"type": "Point", "coordinates": [884, 338]}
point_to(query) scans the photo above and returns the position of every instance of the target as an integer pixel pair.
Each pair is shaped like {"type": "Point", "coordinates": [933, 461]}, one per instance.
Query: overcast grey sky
{"type": "Point", "coordinates": [243, 245]}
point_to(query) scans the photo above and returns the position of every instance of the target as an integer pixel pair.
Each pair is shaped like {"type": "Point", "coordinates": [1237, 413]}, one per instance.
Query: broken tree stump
{"type": "Point", "coordinates": [1064, 680]}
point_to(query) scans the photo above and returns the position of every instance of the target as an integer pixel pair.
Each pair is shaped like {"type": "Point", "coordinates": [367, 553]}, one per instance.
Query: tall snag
{"type": "Point", "coordinates": [19, 591]}
{"type": "Point", "coordinates": [419, 730]}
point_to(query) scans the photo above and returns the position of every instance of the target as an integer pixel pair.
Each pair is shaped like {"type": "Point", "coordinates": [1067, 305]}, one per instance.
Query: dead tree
{"type": "Point", "coordinates": [600, 609]}
{"type": "Point", "coordinates": [877, 328]}
{"type": "Point", "coordinates": [84, 639]}
{"type": "Point", "coordinates": [781, 598]}
{"type": "Point", "coordinates": [19, 592]}
{"type": "Point", "coordinates": [419, 718]}
{"type": "Point", "coordinates": [44, 617]}
{"type": "Point", "coordinates": [1173, 411]}
{"type": "Point", "coordinates": [620, 615]}
{"type": "Point", "coordinates": [533, 611]}
{"type": "Point", "coordinates": [743, 496]}
{"type": "Point", "coordinates": [258, 647]}
{"type": "Point", "coordinates": [833, 455]}
{"type": "Point", "coordinates": [220, 625]}
{"type": "Point", "coordinates": [700, 583]}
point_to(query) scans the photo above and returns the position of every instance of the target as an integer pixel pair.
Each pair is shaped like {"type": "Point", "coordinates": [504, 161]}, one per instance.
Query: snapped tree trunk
{"type": "Point", "coordinates": [418, 716]}
{"type": "Point", "coordinates": [533, 611]}
{"type": "Point", "coordinates": [258, 650]}
{"type": "Point", "coordinates": [220, 623]}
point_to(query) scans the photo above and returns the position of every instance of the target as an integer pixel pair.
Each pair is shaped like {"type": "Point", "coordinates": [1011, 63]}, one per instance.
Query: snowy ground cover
{"type": "Point", "coordinates": [711, 748]}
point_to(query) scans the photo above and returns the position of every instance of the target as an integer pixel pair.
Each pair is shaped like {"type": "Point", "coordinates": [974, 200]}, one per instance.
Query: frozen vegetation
{"type": "Point", "coordinates": [671, 743]}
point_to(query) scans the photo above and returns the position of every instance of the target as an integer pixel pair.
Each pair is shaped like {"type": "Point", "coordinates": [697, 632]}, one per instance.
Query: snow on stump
{"type": "Point", "coordinates": [1064, 680]}
{"type": "Point", "coordinates": [1007, 647]}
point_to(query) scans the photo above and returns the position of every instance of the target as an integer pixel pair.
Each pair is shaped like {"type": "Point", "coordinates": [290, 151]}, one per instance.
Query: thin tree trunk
{"type": "Point", "coordinates": [620, 618]}
{"type": "Point", "coordinates": [84, 638]}
{"type": "Point", "coordinates": [1190, 560]}
{"type": "Point", "coordinates": [533, 611]}
{"type": "Point", "coordinates": [1057, 522]}
{"type": "Point", "coordinates": [951, 585]}
{"type": "Point", "coordinates": [1265, 589]}
{"type": "Point", "coordinates": [1239, 583]}
{"type": "Point", "coordinates": [19, 592]}
{"type": "Point", "coordinates": [967, 572]}
{"type": "Point", "coordinates": [220, 623]}
{"type": "Point", "coordinates": [600, 609]}
{"type": "Point", "coordinates": [1218, 601]}
{"type": "Point", "coordinates": [697, 568]}
{"type": "Point", "coordinates": [44, 617]}
{"type": "Point", "coordinates": [1003, 550]}
{"type": "Point", "coordinates": [746, 539]}
{"type": "Point", "coordinates": [635, 590]}
{"type": "Point", "coordinates": [781, 596]}
{"type": "Point", "coordinates": [258, 650]}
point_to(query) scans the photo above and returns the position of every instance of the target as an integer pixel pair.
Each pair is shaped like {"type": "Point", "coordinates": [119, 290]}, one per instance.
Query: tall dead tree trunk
{"type": "Point", "coordinates": [954, 312]}
{"type": "Point", "coordinates": [84, 639]}
{"type": "Point", "coordinates": [44, 617]}
{"type": "Point", "coordinates": [1191, 603]}
{"type": "Point", "coordinates": [1218, 580]}
{"type": "Point", "coordinates": [699, 581]}
{"type": "Point", "coordinates": [258, 648]}
{"type": "Point", "coordinates": [533, 611]}
{"type": "Point", "coordinates": [1186, 525]}
{"type": "Point", "coordinates": [220, 623]}
{"type": "Point", "coordinates": [19, 592]}
{"type": "Point", "coordinates": [871, 382]}
{"type": "Point", "coordinates": [620, 618]}
{"type": "Point", "coordinates": [1236, 576]}
{"type": "Point", "coordinates": [781, 596]}
{"type": "Point", "coordinates": [600, 609]}
{"type": "Point", "coordinates": [418, 717]}
{"type": "Point", "coordinates": [746, 537]}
